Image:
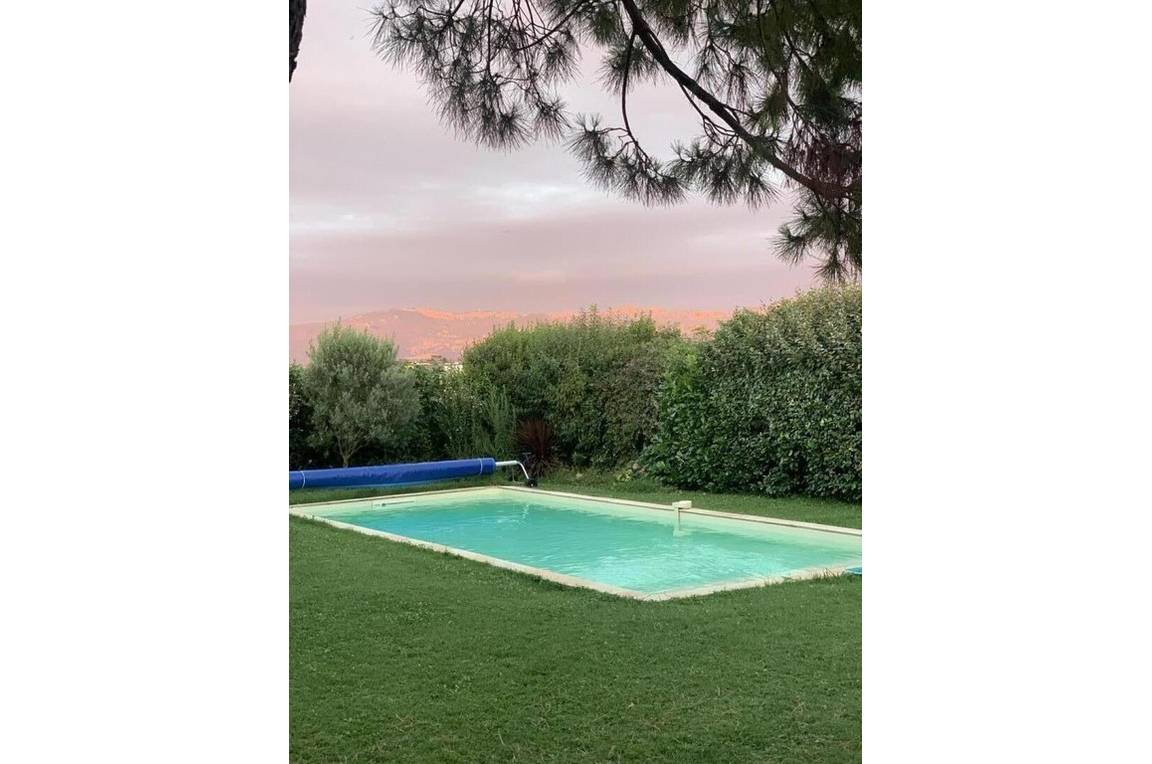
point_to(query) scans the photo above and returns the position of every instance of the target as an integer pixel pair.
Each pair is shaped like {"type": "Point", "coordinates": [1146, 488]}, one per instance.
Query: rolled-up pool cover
{"type": "Point", "coordinates": [392, 474]}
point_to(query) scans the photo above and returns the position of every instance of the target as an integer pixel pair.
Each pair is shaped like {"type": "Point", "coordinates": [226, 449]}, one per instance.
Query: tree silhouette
{"type": "Point", "coordinates": [296, 10]}
{"type": "Point", "coordinates": [774, 84]}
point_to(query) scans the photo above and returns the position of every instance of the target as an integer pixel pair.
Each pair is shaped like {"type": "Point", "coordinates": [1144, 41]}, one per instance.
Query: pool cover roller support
{"type": "Point", "coordinates": [399, 474]}
{"type": "Point", "coordinates": [528, 479]}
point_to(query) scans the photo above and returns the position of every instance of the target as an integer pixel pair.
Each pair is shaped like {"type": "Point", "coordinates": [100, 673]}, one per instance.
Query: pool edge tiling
{"type": "Point", "coordinates": [309, 511]}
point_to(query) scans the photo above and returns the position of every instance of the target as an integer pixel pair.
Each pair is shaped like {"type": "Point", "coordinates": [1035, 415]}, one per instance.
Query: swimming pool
{"type": "Point", "coordinates": [631, 549]}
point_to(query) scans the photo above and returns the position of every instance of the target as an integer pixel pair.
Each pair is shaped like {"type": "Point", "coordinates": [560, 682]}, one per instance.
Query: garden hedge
{"type": "Point", "coordinates": [593, 380]}
{"type": "Point", "coordinates": [770, 404]}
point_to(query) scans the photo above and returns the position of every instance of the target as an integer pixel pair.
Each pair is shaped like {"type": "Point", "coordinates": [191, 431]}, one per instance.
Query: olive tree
{"type": "Point", "coordinates": [359, 392]}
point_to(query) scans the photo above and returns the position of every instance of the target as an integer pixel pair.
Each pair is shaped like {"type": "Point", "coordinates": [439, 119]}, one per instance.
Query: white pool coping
{"type": "Point", "coordinates": [575, 581]}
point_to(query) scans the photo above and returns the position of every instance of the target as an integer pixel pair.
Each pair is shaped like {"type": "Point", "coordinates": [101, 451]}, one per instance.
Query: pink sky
{"type": "Point", "coordinates": [389, 210]}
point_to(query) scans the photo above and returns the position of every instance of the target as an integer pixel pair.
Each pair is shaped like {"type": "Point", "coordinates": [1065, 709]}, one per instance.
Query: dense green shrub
{"type": "Point", "coordinates": [770, 404]}
{"type": "Point", "coordinates": [447, 416]}
{"type": "Point", "coordinates": [593, 380]}
{"type": "Point", "coordinates": [302, 454]}
{"type": "Point", "coordinates": [461, 417]}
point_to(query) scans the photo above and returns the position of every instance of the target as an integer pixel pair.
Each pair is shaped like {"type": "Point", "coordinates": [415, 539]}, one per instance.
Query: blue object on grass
{"type": "Point", "coordinates": [392, 474]}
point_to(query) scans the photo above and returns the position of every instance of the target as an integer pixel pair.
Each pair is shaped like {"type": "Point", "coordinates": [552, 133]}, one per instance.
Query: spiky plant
{"type": "Point", "coordinates": [537, 443]}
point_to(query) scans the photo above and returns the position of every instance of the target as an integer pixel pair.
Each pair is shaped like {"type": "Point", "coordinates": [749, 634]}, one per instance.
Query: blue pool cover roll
{"type": "Point", "coordinates": [392, 474]}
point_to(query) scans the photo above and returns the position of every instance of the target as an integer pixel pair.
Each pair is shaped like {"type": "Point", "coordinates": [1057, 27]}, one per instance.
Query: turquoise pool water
{"type": "Point", "coordinates": [635, 548]}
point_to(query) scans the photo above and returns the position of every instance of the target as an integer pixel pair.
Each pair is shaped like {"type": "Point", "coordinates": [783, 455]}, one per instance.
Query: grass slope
{"type": "Point", "coordinates": [401, 654]}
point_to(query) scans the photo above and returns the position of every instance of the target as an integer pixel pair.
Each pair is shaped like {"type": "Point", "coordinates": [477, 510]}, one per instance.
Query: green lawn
{"type": "Point", "coordinates": [401, 654]}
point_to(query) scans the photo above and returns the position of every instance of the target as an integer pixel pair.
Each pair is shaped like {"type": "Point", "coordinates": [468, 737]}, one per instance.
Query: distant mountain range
{"type": "Point", "coordinates": [422, 333]}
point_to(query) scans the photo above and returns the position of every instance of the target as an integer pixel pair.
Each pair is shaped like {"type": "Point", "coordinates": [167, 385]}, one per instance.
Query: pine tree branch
{"type": "Point", "coordinates": [758, 144]}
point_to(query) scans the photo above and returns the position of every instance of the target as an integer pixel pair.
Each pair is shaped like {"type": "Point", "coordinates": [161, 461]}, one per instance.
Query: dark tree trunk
{"type": "Point", "coordinates": [296, 9]}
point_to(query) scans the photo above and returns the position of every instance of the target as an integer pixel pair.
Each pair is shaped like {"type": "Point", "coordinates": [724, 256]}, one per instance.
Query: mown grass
{"type": "Point", "coordinates": [401, 654]}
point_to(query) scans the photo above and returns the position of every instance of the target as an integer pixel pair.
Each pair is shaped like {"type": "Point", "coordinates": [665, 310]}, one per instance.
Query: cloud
{"type": "Point", "coordinates": [388, 209]}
